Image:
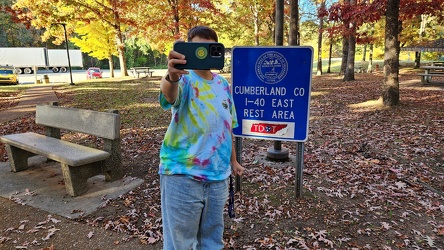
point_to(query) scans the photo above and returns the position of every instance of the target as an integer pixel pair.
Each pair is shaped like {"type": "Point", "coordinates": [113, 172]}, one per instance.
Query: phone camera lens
{"type": "Point", "coordinates": [216, 50]}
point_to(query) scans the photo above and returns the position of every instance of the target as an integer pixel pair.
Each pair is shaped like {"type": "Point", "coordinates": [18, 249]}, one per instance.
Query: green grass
{"type": "Point", "coordinates": [13, 88]}
{"type": "Point", "coordinates": [136, 100]}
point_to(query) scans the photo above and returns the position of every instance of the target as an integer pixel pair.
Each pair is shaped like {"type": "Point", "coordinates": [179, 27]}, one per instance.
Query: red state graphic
{"type": "Point", "coordinates": [267, 128]}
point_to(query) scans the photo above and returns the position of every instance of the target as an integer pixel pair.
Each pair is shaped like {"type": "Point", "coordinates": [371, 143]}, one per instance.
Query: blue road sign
{"type": "Point", "coordinates": [271, 91]}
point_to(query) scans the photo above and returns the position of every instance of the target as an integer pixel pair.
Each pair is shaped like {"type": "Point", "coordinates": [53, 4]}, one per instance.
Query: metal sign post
{"type": "Point", "coordinates": [271, 90]}
{"type": "Point", "coordinates": [299, 169]}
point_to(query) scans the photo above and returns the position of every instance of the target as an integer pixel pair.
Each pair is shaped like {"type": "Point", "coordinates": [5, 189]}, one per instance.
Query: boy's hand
{"type": "Point", "coordinates": [237, 168]}
{"type": "Point", "coordinates": [173, 59]}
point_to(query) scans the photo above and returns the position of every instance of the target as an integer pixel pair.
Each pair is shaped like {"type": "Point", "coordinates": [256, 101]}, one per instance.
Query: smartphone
{"type": "Point", "coordinates": [201, 55]}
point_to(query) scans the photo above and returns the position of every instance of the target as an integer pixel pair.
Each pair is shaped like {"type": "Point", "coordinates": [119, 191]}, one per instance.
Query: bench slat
{"type": "Point", "coordinates": [432, 74]}
{"type": "Point", "coordinates": [101, 124]}
{"type": "Point", "coordinates": [55, 149]}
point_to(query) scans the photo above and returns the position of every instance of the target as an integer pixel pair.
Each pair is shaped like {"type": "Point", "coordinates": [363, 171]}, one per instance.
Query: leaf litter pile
{"type": "Point", "coordinates": [373, 175]}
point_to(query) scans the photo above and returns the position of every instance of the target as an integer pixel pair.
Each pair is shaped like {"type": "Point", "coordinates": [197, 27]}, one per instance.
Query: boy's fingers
{"type": "Point", "coordinates": [175, 55]}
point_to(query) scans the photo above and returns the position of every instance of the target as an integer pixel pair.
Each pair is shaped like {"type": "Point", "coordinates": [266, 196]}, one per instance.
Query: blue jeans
{"type": "Point", "coordinates": [192, 212]}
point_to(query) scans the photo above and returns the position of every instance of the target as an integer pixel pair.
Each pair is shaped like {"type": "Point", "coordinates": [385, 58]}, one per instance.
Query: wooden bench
{"type": "Point", "coordinates": [136, 71]}
{"type": "Point", "coordinates": [78, 162]}
{"type": "Point", "coordinates": [427, 78]}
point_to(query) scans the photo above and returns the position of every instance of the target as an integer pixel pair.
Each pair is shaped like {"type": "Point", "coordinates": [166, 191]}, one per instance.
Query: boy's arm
{"type": "Point", "coordinates": [236, 167]}
{"type": "Point", "coordinates": [169, 87]}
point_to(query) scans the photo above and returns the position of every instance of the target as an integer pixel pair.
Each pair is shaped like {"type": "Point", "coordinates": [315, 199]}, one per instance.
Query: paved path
{"type": "Point", "coordinates": [32, 96]}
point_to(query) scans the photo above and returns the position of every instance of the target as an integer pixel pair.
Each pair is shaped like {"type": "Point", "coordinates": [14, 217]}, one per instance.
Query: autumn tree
{"type": "Point", "coordinates": [425, 23]}
{"type": "Point", "coordinates": [161, 22]}
{"type": "Point", "coordinates": [368, 36]}
{"type": "Point", "coordinates": [370, 12]}
{"type": "Point", "coordinates": [348, 17]}
{"type": "Point", "coordinates": [13, 33]}
{"type": "Point", "coordinates": [339, 14]}
{"type": "Point", "coordinates": [114, 13]}
{"type": "Point", "coordinates": [415, 15]}
{"type": "Point", "coordinates": [394, 17]}
{"type": "Point", "coordinates": [257, 19]}
{"type": "Point", "coordinates": [45, 17]}
{"type": "Point", "coordinates": [98, 40]}
{"type": "Point", "coordinates": [396, 12]}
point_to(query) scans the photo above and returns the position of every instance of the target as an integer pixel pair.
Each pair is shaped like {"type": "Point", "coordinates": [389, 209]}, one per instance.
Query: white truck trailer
{"type": "Point", "coordinates": [28, 59]}
{"type": "Point", "coordinates": [58, 59]}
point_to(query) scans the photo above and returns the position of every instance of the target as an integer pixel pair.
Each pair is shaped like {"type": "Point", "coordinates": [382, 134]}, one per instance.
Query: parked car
{"type": "Point", "coordinates": [8, 75]}
{"type": "Point", "coordinates": [93, 73]}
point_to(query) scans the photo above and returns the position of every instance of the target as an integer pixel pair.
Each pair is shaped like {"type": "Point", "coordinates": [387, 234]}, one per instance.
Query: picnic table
{"type": "Point", "coordinates": [431, 71]}
{"type": "Point", "coordinates": [136, 71]}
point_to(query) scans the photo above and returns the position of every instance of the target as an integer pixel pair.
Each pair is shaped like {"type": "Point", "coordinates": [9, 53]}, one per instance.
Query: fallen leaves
{"type": "Point", "coordinates": [47, 227]}
{"type": "Point", "coordinates": [373, 178]}
{"type": "Point", "coordinates": [363, 174]}
{"type": "Point", "coordinates": [9, 98]}
{"type": "Point", "coordinates": [90, 234]}
{"type": "Point", "coordinates": [51, 233]}
{"type": "Point", "coordinates": [3, 239]}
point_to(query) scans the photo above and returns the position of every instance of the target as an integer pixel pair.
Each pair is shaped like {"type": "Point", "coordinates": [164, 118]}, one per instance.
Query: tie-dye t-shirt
{"type": "Point", "coordinates": [198, 141]}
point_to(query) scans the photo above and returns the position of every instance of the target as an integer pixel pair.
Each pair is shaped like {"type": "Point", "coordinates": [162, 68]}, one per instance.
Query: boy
{"type": "Point", "coordinates": [197, 154]}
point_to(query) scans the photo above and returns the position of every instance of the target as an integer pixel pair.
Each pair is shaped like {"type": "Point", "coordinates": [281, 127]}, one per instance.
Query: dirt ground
{"type": "Point", "coordinates": [373, 176]}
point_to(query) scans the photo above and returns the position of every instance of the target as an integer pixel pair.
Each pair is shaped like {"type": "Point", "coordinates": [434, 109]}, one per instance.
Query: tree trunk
{"type": "Point", "coordinates": [121, 50]}
{"type": "Point", "coordinates": [417, 59]}
{"type": "Point", "coordinates": [111, 66]}
{"type": "Point", "coordinates": [294, 23]}
{"type": "Point", "coordinates": [350, 69]}
{"type": "Point", "coordinates": [319, 66]}
{"type": "Point", "coordinates": [321, 24]}
{"type": "Point", "coordinates": [345, 44]}
{"type": "Point", "coordinates": [279, 41]}
{"type": "Point", "coordinates": [390, 87]}
{"type": "Point", "coordinates": [174, 9]}
{"type": "Point", "coordinates": [279, 32]}
{"type": "Point", "coordinates": [329, 55]}
{"type": "Point", "coordinates": [256, 28]}
{"type": "Point", "coordinates": [364, 53]}
{"type": "Point", "coordinates": [370, 59]}
{"type": "Point", "coordinates": [119, 42]}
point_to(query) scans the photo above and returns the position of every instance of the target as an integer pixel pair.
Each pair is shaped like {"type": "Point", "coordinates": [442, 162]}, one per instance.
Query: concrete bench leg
{"type": "Point", "coordinates": [18, 158]}
{"type": "Point", "coordinates": [76, 177]}
{"type": "Point", "coordinates": [112, 168]}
